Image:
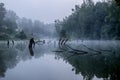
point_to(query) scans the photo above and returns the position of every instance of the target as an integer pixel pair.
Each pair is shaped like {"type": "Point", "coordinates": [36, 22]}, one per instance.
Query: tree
{"type": "Point", "coordinates": [92, 21]}
{"type": "Point", "coordinates": [2, 13]}
{"type": "Point", "coordinates": [21, 35]}
{"type": "Point", "coordinates": [118, 2]}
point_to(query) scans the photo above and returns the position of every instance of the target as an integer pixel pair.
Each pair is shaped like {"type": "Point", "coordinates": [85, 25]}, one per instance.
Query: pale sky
{"type": "Point", "coordinates": [44, 10]}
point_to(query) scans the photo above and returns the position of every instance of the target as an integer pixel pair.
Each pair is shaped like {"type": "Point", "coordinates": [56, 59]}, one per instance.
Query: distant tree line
{"type": "Point", "coordinates": [91, 20]}
{"type": "Point", "coordinates": [14, 27]}
{"type": "Point", "coordinates": [35, 28]}
{"type": "Point", "coordinates": [8, 25]}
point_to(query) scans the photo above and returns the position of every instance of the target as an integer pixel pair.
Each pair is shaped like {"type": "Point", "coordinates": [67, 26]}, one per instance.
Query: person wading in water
{"type": "Point", "coordinates": [31, 46]}
{"type": "Point", "coordinates": [8, 43]}
{"type": "Point", "coordinates": [31, 43]}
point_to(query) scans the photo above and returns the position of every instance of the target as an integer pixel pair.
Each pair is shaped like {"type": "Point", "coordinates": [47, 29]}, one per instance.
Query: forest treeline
{"type": "Point", "coordinates": [14, 27]}
{"type": "Point", "coordinates": [100, 20]}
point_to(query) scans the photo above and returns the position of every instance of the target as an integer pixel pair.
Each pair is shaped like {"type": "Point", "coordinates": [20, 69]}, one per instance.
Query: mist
{"type": "Point", "coordinates": [59, 39]}
{"type": "Point", "coordinates": [44, 10]}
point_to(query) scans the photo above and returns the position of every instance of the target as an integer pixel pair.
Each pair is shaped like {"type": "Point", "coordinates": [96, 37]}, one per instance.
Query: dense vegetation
{"type": "Point", "coordinates": [91, 20]}
{"type": "Point", "coordinates": [35, 28]}
{"type": "Point", "coordinates": [8, 24]}
{"type": "Point", "coordinates": [14, 27]}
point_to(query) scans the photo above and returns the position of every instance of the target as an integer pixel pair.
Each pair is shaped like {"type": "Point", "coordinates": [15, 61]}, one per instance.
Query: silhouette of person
{"type": "Point", "coordinates": [8, 43]}
{"type": "Point", "coordinates": [31, 46]}
{"type": "Point", "coordinates": [31, 43]}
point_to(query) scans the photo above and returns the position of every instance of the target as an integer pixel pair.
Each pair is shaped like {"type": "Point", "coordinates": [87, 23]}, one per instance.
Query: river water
{"type": "Point", "coordinates": [79, 60]}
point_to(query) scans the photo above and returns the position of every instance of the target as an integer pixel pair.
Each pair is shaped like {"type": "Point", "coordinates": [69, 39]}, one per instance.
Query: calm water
{"type": "Point", "coordinates": [49, 62]}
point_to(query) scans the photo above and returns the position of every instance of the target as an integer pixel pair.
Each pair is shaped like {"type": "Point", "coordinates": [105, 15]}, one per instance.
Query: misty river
{"type": "Point", "coordinates": [48, 62]}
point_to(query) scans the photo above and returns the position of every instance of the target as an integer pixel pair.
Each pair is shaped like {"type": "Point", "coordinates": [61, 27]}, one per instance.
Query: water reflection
{"type": "Point", "coordinates": [105, 65]}
{"type": "Point", "coordinates": [31, 51]}
{"type": "Point", "coordinates": [8, 59]}
{"type": "Point", "coordinates": [11, 56]}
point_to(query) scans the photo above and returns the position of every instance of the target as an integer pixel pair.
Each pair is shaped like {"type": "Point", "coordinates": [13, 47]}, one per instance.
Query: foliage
{"type": "Point", "coordinates": [2, 13]}
{"type": "Point", "coordinates": [92, 21]}
{"type": "Point", "coordinates": [35, 28]}
{"type": "Point", "coordinates": [8, 23]}
{"type": "Point", "coordinates": [21, 35]}
{"type": "Point", "coordinates": [11, 26]}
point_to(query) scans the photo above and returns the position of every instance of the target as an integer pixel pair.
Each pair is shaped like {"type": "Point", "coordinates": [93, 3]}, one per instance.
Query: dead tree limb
{"type": "Point", "coordinates": [75, 50]}
{"type": "Point", "coordinates": [91, 49]}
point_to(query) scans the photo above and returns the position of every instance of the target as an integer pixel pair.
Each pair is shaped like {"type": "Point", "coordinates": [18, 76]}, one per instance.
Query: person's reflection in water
{"type": "Point", "coordinates": [31, 46]}
{"type": "Point", "coordinates": [31, 51]}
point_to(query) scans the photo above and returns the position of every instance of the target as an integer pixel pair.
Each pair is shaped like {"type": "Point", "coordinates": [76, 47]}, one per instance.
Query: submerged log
{"type": "Point", "coordinates": [59, 51]}
{"type": "Point", "coordinates": [92, 49]}
{"type": "Point", "coordinates": [76, 50]}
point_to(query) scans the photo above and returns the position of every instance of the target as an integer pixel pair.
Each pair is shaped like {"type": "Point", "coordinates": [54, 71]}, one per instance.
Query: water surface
{"type": "Point", "coordinates": [49, 62]}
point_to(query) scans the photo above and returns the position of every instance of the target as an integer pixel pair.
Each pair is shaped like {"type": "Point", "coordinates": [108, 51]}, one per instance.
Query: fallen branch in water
{"type": "Point", "coordinates": [61, 47]}
{"type": "Point", "coordinates": [72, 52]}
{"type": "Point", "coordinates": [75, 50]}
{"type": "Point", "coordinates": [91, 49]}
{"type": "Point", "coordinates": [59, 51]}
{"type": "Point", "coordinates": [105, 50]}
{"type": "Point", "coordinates": [39, 42]}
